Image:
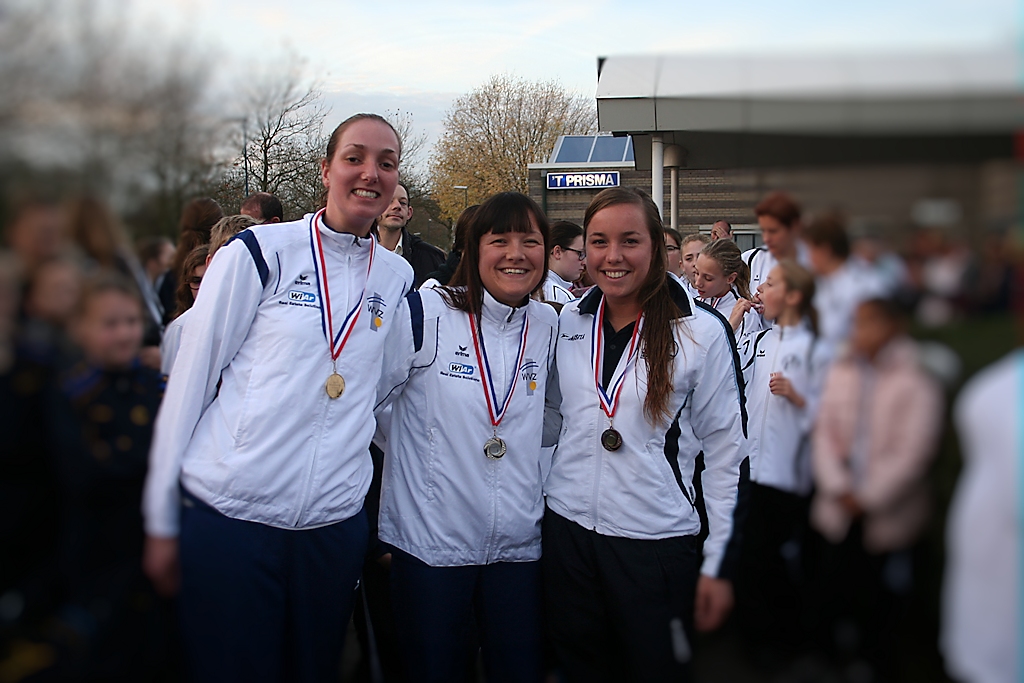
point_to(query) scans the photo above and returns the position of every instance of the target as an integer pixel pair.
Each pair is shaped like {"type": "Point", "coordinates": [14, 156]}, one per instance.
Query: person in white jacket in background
{"type": "Point", "coordinates": [465, 370]}
{"type": "Point", "coordinates": [981, 597]}
{"type": "Point", "coordinates": [782, 384]}
{"type": "Point", "coordinates": [565, 262]}
{"type": "Point", "coordinates": [648, 380]}
{"type": "Point", "coordinates": [260, 461]}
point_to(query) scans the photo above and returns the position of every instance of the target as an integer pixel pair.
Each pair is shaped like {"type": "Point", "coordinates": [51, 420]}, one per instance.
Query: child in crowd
{"type": "Point", "coordinates": [875, 436]}
{"type": "Point", "coordinates": [780, 379]}
{"type": "Point", "coordinates": [674, 253]}
{"type": "Point", "coordinates": [50, 299]}
{"type": "Point", "coordinates": [689, 249]}
{"type": "Point", "coordinates": [108, 622]}
{"type": "Point", "coordinates": [722, 277]}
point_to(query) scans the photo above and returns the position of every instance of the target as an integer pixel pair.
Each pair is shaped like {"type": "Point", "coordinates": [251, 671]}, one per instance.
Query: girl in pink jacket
{"type": "Point", "coordinates": [875, 436]}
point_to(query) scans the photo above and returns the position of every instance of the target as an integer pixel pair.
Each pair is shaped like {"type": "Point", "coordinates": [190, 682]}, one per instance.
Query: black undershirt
{"type": "Point", "coordinates": [614, 345]}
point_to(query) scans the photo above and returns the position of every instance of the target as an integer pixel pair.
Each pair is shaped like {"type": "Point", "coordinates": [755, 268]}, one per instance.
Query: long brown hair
{"type": "Point", "coordinates": [799, 279]}
{"type": "Point", "coordinates": [657, 343]}
{"type": "Point", "coordinates": [730, 259]}
{"type": "Point", "coordinates": [183, 295]}
{"type": "Point", "coordinates": [197, 218]}
{"type": "Point", "coordinates": [501, 213]}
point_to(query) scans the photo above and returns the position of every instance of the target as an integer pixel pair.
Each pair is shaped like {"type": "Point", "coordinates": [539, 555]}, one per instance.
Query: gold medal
{"type": "Point", "coordinates": [335, 385]}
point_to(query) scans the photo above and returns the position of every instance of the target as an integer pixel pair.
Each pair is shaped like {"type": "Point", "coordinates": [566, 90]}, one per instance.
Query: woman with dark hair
{"type": "Point", "coordinates": [465, 369]}
{"type": "Point", "coordinates": [565, 263]}
{"type": "Point", "coordinates": [650, 395]}
{"type": "Point", "coordinates": [261, 458]}
{"type": "Point", "coordinates": [197, 219]}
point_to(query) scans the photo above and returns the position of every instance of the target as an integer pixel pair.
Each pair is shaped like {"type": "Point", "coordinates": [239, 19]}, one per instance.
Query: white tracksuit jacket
{"type": "Point", "coordinates": [442, 500]}
{"type": "Point", "coordinates": [644, 490]}
{"type": "Point", "coordinates": [269, 445]}
{"type": "Point", "coordinates": [761, 261]}
{"type": "Point", "coordinates": [778, 430]}
{"type": "Point", "coordinates": [556, 289]}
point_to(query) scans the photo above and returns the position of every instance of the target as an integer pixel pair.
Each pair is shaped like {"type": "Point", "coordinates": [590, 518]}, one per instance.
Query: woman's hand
{"type": "Point", "coordinates": [713, 604]}
{"type": "Point", "coordinates": [738, 311]}
{"type": "Point", "coordinates": [160, 563]}
{"type": "Point", "coordinates": [781, 386]}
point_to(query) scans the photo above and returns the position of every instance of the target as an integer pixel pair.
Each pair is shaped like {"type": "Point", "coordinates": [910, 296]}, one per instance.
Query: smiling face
{"type": "Point", "coordinates": [398, 213]}
{"type": "Point", "coordinates": [619, 251]}
{"type": "Point", "coordinates": [512, 264]}
{"type": "Point", "coordinates": [360, 176]}
{"type": "Point", "coordinates": [710, 280]}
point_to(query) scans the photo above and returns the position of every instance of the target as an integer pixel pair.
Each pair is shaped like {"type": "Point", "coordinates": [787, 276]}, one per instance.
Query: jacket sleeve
{"type": "Point", "coordinates": [219, 323]}
{"type": "Point", "coordinates": [398, 354]}
{"type": "Point", "coordinates": [906, 457]}
{"type": "Point", "coordinates": [828, 452]}
{"type": "Point", "coordinates": [719, 421]}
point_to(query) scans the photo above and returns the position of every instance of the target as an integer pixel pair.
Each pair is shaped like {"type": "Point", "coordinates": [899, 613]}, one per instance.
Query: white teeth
{"type": "Point", "coordinates": [614, 274]}
{"type": "Point", "coordinates": [367, 193]}
{"type": "Point", "coordinates": [513, 271]}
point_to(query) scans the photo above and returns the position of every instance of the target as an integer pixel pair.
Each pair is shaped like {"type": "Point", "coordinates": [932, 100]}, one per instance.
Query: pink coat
{"type": "Point", "coordinates": [905, 417]}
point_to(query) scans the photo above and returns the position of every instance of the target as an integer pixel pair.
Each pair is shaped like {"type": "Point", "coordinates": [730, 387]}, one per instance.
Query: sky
{"type": "Point", "coordinates": [419, 56]}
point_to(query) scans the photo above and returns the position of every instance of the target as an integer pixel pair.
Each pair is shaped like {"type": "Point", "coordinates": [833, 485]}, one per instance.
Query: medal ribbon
{"type": "Point", "coordinates": [610, 398]}
{"type": "Point", "coordinates": [485, 370]}
{"type": "Point", "coordinates": [336, 342]}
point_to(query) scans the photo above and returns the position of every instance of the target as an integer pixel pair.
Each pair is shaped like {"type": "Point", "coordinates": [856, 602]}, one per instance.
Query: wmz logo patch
{"type": "Point", "coordinates": [301, 297]}
{"type": "Point", "coordinates": [375, 307]}
{"type": "Point", "coordinates": [528, 373]}
{"type": "Point", "coordinates": [461, 369]}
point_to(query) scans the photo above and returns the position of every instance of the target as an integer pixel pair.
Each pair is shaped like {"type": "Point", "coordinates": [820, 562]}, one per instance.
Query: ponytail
{"type": "Point", "coordinates": [730, 259]}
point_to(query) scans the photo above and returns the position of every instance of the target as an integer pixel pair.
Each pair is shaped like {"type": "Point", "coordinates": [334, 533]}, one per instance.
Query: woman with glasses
{"type": "Point", "coordinates": [565, 262]}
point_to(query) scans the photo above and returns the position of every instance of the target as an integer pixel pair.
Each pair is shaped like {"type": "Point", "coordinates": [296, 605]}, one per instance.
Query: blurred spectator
{"type": "Point", "coordinates": [50, 299]}
{"type": "Point", "coordinates": [689, 250]}
{"type": "Point", "coordinates": [981, 604]}
{"type": "Point", "coordinates": [446, 270]}
{"type": "Point", "coordinates": [871, 253]}
{"type": "Point", "coordinates": [674, 253]}
{"type": "Point", "coordinates": [262, 207]}
{"type": "Point", "coordinates": [840, 284]}
{"type": "Point", "coordinates": [35, 233]}
{"type": "Point", "coordinates": [156, 255]}
{"type": "Point", "coordinates": [876, 433]}
{"type": "Point", "coordinates": [778, 217]}
{"type": "Point", "coordinates": [197, 218]}
{"type": "Point", "coordinates": [97, 233]}
{"type": "Point", "coordinates": [991, 276]}
{"type": "Point", "coordinates": [941, 269]}
{"type": "Point", "coordinates": [721, 230]}
{"type": "Point", "coordinates": [106, 622]}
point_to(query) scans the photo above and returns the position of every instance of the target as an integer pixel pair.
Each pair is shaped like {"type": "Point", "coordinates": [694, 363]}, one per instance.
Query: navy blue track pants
{"type": "Point", "coordinates": [260, 603]}
{"type": "Point", "coordinates": [436, 609]}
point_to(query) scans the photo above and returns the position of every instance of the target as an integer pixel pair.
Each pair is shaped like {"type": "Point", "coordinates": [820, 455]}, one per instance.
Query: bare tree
{"type": "Point", "coordinates": [284, 117]}
{"type": "Point", "coordinates": [414, 144]}
{"type": "Point", "coordinates": [492, 133]}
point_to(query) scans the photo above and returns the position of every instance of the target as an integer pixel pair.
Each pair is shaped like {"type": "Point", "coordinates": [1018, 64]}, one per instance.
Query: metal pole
{"type": "Point", "coordinates": [245, 152]}
{"type": "Point", "coordinates": [658, 173]}
{"type": "Point", "coordinates": [673, 184]}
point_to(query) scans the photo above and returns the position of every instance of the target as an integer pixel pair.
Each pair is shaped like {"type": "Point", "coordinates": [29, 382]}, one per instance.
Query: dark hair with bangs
{"type": "Point", "coordinates": [501, 213]}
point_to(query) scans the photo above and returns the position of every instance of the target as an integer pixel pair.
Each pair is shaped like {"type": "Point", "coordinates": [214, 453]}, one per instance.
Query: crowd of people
{"type": "Point", "coordinates": [559, 451]}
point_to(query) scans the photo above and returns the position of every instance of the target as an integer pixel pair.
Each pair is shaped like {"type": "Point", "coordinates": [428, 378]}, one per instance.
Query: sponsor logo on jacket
{"type": "Point", "coordinates": [528, 375]}
{"type": "Point", "coordinates": [301, 297]}
{"type": "Point", "coordinates": [375, 307]}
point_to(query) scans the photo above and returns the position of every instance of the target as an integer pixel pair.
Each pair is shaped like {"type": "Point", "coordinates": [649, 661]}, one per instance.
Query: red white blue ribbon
{"type": "Point", "coordinates": [485, 370]}
{"type": "Point", "coordinates": [609, 396]}
{"type": "Point", "coordinates": [335, 341]}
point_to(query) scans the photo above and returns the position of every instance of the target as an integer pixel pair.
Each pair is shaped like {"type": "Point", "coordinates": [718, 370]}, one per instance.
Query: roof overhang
{"type": "Point", "coordinates": [777, 110]}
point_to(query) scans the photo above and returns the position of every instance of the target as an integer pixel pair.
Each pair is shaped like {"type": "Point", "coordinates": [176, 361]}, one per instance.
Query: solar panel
{"type": "Point", "coordinates": [608, 148]}
{"type": "Point", "coordinates": [575, 149]}
{"type": "Point", "coordinates": [592, 149]}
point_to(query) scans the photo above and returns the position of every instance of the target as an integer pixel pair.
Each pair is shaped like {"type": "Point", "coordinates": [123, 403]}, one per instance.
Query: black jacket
{"type": "Point", "coordinates": [424, 257]}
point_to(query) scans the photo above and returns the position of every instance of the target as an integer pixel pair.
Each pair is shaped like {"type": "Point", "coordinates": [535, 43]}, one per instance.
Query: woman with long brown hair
{"type": "Point", "coordinates": [650, 394]}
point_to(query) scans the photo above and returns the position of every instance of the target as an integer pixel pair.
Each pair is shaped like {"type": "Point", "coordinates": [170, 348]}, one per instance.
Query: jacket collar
{"type": "Point", "coordinates": [497, 312]}
{"type": "Point", "coordinates": [592, 299]}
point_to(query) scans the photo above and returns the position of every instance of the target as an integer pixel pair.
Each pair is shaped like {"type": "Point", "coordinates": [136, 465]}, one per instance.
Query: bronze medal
{"type": "Point", "coordinates": [611, 439]}
{"type": "Point", "coordinates": [494, 448]}
{"type": "Point", "coordinates": [335, 385]}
